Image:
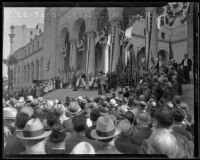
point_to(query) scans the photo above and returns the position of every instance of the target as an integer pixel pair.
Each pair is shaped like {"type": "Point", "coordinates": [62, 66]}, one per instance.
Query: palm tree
{"type": "Point", "coordinates": [8, 62]}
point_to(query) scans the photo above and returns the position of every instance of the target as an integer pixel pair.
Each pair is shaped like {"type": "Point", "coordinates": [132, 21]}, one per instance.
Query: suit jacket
{"type": "Point", "coordinates": [189, 62]}
{"type": "Point", "coordinates": [142, 134]}
{"type": "Point", "coordinates": [180, 130]}
{"type": "Point", "coordinates": [124, 145]}
{"type": "Point", "coordinates": [108, 149]}
{"type": "Point", "coordinates": [14, 145]}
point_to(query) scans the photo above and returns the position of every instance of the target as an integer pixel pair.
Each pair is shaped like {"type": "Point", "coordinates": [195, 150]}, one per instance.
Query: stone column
{"type": "Point", "coordinates": [73, 54]}
{"type": "Point", "coordinates": [105, 58]}
{"type": "Point", "coordinates": [151, 35]}
{"type": "Point", "coordinates": [115, 44]}
{"type": "Point", "coordinates": [90, 56]}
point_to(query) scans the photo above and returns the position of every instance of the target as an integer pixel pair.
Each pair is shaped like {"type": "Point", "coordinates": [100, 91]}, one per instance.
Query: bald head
{"type": "Point", "coordinates": [163, 142]}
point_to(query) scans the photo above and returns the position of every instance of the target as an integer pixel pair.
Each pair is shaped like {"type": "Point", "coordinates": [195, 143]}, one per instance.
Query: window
{"type": "Point", "coordinates": [40, 31]}
{"type": "Point", "coordinates": [33, 48]}
{"type": "Point", "coordinates": [31, 32]}
{"type": "Point", "coordinates": [166, 20]}
{"type": "Point", "coordinates": [144, 31]}
{"type": "Point", "coordinates": [38, 44]}
{"type": "Point", "coordinates": [162, 35]}
{"type": "Point", "coordinates": [162, 21]}
{"type": "Point", "coordinates": [28, 50]}
{"type": "Point", "coordinates": [25, 52]}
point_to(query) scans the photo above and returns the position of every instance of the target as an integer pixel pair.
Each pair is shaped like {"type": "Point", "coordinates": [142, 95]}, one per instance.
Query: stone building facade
{"type": "Point", "coordinates": [63, 29]}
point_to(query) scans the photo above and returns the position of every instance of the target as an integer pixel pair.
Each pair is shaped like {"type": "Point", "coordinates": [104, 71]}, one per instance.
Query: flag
{"type": "Point", "coordinates": [149, 32]}
{"type": "Point", "coordinates": [152, 59]}
{"type": "Point", "coordinates": [48, 65]}
{"type": "Point", "coordinates": [171, 55]}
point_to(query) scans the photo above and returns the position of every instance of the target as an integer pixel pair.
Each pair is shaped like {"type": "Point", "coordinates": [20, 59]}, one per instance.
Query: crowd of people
{"type": "Point", "coordinates": [150, 118]}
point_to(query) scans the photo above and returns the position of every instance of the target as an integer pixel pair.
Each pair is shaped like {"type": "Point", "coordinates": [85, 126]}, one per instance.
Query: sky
{"type": "Point", "coordinates": [28, 16]}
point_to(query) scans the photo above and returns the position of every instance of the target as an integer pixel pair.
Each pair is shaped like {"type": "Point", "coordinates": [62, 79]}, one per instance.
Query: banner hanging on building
{"type": "Point", "coordinates": [48, 65]}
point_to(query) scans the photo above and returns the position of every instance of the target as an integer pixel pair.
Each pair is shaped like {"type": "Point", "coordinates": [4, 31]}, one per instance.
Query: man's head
{"type": "Point", "coordinates": [164, 117]}
{"type": "Point", "coordinates": [21, 119]}
{"type": "Point", "coordinates": [163, 142]}
{"type": "Point", "coordinates": [186, 55]}
{"type": "Point", "coordinates": [79, 123]}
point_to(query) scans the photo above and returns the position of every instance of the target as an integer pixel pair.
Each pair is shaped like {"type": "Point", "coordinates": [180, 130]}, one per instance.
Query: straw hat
{"type": "Point", "coordinates": [33, 130]}
{"type": "Point", "coordinates": [40, 99]}
{"type": "Point", "coordinates": [74, 108]}
{"type": "Point", "coordinates": [9, 113]}
{"type": "Point", "coordinates": [27, 109]}
{"type": "Point", "coordinates": [113, 102]}
{"type": "Point", "coordinates": [35, 103]}
{"type": "Point", "coordinates": [83, 148]}
{"type": "Point", "coordinates": [125, 126]}
{"type": "Point", "coordinates": [123, 109]}
{"type": "Point", "coordinates": [21, 99]}
{"type": "Point", "coordinates": [105, 129]}
{"type": "Point", "coordinates": [29, 99]}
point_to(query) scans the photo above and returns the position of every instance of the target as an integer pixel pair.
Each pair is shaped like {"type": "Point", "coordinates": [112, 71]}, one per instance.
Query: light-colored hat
{"type": "Point", "coordinates": [60, 108]}
{"type": "Point", "coordinates": [123, 109]}
{"type": "Point", "coordinates": [9, 113]}
{"type": "Point", "coordinates": [27, 109]}
{"type": "Point", "coordinates": [50, 103]}
{"type": "Point", "coordinates": [83, 148]}
{"type": "Point", "coordinates": [105, 128]}
{"type": "Point", "coordinates": [184, 106]}
{"type": "Point", "coordinates": [125, 126]}
{"type": "Point", "coordinates": [74, 108]}
{"type": "Point", "coordinates": [21, 99]}
{"type": "Point", "coordinates": [113, 102]}
{"type": "Point", "coordinates": [80, 98]}
{"type": "Point", "coordinates": [29, 98]}
{"type": "Point", "coordinates": [40, 99]}
{"type": "Point", "coordinates": [33, 130]}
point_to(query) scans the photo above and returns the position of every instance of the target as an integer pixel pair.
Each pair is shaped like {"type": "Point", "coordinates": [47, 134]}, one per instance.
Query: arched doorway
{"type": "Point", "coordinates": [163, 56]}
{"type": "Point", "coordinates": [32, 73]}
{"type": "Point", "coordinates": [80, 29]}
{"type": "Point", "coordinates": [102, 28]}
{"type": "Point", "coordinates": [141, 58]}
{"type": "Point", "coordinates": [66, 52]}
{"type": "Point", "coordinates": [37, 70]}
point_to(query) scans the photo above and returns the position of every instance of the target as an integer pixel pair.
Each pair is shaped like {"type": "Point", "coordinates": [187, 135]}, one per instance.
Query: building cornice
{"type": "Point", "coordinates": [33, 53]}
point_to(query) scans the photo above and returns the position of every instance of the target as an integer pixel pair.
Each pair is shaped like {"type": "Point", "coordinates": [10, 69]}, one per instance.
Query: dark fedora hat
{"type": "Point", "coordinates": [58, 133]}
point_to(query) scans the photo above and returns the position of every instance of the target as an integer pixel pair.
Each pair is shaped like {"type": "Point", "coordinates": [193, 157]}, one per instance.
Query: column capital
{"type": "Point", "coordinates": [91, 33]}
{"type": "Point", "coordinates": [149, 9]}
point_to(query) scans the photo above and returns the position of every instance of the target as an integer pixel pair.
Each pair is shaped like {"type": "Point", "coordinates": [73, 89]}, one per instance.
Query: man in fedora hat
{"type": "Point", "coordinates": [78, 134]}
{"type": "Point", "coordinates": [34, 137]}
{"type": "Point", "coordinates": [94, 115]}
{"type": "Point", "coordinates": [123, 142]}
{"type": "Point", "coordinates": [9, 116]}
{"type": "Point", "coordinates": [15, 145]}
{"type": "Point", "coordinates": [187, 67]}
{"type": "Point", "coordinates": [144, 130]}
{"type": "Point", "coordinates": [106, 132]}
{"type": "Point", "coordinates": [56, 141]}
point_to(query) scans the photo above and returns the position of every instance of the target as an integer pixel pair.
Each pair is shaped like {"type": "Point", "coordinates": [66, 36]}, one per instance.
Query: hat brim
{"type": "Point", "coordinates": [44, 135]}
{"type": "Point", "coordinates": [94, 135]}
{"type": "Point", "coordinates": [73, 113]}
{"type": "Point", "coordinates": [9, 118]}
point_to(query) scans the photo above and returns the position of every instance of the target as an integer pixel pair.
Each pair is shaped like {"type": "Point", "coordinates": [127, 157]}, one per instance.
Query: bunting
{"type": "Point", "coordinates": [102, 36]}
{"type": "Point", "coordinates": [88, 54]}
{"type": "Point", "coordinates": [112, 44]}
